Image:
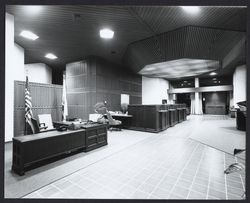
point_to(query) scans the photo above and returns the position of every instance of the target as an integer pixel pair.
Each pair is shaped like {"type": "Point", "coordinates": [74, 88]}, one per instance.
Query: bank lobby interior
{"type": "Point", "coordinates": [129, 102]}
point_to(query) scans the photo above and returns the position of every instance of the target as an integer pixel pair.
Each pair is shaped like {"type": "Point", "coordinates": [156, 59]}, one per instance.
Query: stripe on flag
{"type": "Point", "coordinates": [28, 106]}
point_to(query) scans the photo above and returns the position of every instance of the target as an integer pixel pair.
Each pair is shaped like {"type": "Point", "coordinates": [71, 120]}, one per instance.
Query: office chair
{"type": "Point", "coordinates": [46, 120]}
{"type": "Point", "coordinates": [38, 127]}
{"type": "Point", "coordinates": [113, 124]}
{"type": "Point", "coordinates": [101, 108]}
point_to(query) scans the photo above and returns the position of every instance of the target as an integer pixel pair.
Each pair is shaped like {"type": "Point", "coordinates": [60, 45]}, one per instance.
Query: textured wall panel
{"type": "Point", "coordinates": [96, 80]}
{"type": "Point", "coordinates": [46, 99]}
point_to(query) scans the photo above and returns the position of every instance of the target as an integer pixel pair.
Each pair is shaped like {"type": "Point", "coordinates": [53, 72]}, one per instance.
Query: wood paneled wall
{"type": "Point", "coordinates": [46, 98]}
{"type": "Point", "coordinates": [95, 80]}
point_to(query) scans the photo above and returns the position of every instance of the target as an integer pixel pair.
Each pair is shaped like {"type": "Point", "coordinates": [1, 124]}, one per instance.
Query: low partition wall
{"type": "Point", "coordinates": [155, 118]}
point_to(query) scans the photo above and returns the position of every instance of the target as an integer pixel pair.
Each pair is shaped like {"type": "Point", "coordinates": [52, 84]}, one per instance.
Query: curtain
{"type": "Point", "coordinates": [192, 107]}
{"type": "Point", "coordinates": [200, 104]}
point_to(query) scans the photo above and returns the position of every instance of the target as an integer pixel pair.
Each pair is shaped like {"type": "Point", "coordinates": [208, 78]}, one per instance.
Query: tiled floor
{"type": "Point", "coordinates": [169, 165]}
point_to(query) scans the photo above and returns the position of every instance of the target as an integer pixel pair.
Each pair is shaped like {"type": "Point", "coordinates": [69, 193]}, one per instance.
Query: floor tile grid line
{"type": "Point", "coordinates": [162, 177]}
{"type": "Point", "coordinates": [96, 182]}
{"type": "Point", "coordinates": [225, 175]}
{"type": "Point", "coordinates": [196, 192]}
{"type": "Point", "coordinates": [58, 189]}
{"type": "Point", "coordinates": [208, 185]}
{"type": "Point", "coordinates": [38, 196]}
{"type": "Point", "coordinates": [197, 169]}
{"type": "Point", "coordinates": [173, 152]}
{"type": "Point", "coordinates": [169, 155]}
{"type": "Point", "coordinates": [167, 173]}
{"type": "Point", "coordinates": [124, 185]}
{"type": "Point", "coordinates": [149, 176]}
{"type": "Point", "coordinates": [135, 173]}
{"type": "Point", "coordinates": [213, 147]}
{"type": "Point", "coordinates": [243, 185]}
{"type": "Point", "coordinates": [184, 168]}
{"type": "Point", "coordinates": [141, 141]}
{"type": "Point", "coordinates": [78, 185]}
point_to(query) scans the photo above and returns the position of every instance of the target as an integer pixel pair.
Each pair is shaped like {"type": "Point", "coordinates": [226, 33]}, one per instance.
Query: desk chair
{"type": "Point", "coordinates": [46, 120]}
{"type": "Point", "coordinates": [38, 127]}
{"type": "Point", "coordinates": [113, 124]}
{"type": "Point", "coordinates": [101, 108]}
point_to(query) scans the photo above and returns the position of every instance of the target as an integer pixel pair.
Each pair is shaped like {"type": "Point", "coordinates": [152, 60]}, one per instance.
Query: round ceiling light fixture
{"type": "Point", "coordinates": [106, 33]}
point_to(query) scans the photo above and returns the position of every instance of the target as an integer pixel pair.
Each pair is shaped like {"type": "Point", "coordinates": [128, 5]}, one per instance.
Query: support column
{"type": "Point", "coordinates": [196, 97]}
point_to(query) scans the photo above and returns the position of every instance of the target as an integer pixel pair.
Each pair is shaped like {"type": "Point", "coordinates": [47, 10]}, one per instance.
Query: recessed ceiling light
{"type": "Point", "coordinates": [106, 33]}
{"type": "Point", "coordinates": [214, 79]}
{"type": "Point", "coordinates": [32, 9]}
{"type": "Point", "coordinates": [29, 35]}
{"type": "Point", "coordinates": [213, 73]}
{"type": "Point", "coordinates": [51, 56]}
{"type": "Point", "coordinates": [191, 9]}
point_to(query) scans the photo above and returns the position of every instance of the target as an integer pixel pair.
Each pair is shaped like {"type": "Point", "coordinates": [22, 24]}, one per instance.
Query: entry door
{"type": "Point", "coordinates": [215, 103]}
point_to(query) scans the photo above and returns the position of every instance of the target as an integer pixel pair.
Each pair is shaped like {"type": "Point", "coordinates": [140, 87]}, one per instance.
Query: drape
{"type": "Point", "coordinates": [193, 107]}
{"type": "Point", "coordinates": [200, 104]}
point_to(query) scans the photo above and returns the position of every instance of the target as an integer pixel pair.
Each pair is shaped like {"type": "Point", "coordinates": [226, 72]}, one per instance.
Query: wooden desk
{"type": "Point", "coordinates": [31, 149]}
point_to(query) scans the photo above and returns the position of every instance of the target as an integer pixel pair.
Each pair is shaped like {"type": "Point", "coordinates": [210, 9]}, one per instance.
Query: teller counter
{"type": "Point", "coordinates": [155, 118]}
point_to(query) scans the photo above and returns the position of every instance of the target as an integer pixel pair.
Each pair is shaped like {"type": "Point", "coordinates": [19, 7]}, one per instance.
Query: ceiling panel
{"type": "Point", "coordinates": [180, 68]}
{"type": "Point", "coordinates": [187, 42]}
{"type": "Point", "coordinates": [72, 31]}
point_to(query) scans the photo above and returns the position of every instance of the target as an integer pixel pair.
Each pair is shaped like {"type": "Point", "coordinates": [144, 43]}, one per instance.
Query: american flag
{"type": "Point", "coordinates": [28, 106]}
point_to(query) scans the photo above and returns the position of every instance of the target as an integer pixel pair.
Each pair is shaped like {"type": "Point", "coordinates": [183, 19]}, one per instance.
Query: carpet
{"type": "Point", "coordinates": [220, 132]}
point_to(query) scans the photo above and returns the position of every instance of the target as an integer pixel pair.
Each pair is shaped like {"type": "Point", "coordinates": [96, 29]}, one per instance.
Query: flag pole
{"type": "Point", "coordinates": [25, 123]}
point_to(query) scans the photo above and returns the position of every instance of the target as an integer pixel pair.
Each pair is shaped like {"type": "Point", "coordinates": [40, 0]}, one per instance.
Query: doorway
{"type": "Point", "coordinates": [216, 103]}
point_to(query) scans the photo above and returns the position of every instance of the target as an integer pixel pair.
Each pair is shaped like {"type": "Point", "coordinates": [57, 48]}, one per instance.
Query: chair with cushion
{"type": "Point", "coordinates": [46, 121]}
{"type": "Point", "coordinates": [101, 108]}
{"type": "Point", "coordinates": [113, 124]}
{"type": "Point", "coordinates": [38, 127]}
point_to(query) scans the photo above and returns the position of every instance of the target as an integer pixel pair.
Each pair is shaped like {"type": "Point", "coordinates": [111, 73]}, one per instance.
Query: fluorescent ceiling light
{"type": "Point", "coordinates": [214, 78]}
{"type": "Point", "coordinates": [29, 35]}
{"type": "Point", "coordinates": [32, 9]}
{"type": "Point", "coordinates": [191, 9]}
{"type": "Point", "coordinates": [213, 73]}
{"type": "Point", "coordinates": [51, 56]}
{"type": "Point", "coordinates": [106, 33]}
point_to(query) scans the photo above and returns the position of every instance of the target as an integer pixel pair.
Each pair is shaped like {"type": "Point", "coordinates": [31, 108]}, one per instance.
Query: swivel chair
{"type": "Point", "coordinates": [113, 124]}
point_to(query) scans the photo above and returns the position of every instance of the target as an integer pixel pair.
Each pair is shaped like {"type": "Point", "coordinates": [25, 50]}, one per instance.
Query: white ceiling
{"type": "Point", "coordinates": [180, 68]}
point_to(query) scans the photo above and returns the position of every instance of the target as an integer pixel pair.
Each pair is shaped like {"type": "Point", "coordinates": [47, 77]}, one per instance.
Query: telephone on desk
{"type": "Point", "coordinates": [62, 128]}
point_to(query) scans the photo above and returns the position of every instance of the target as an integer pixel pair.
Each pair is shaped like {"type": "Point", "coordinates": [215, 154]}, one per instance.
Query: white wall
{"type": "Point", "coordinates": [240, 84]}
{"type": "Point", "coordinates": [39, 72]}
{"type": "Point", "coordinates": [154, 90]}
{"type": "Point", "coordinates": [14, 70]}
